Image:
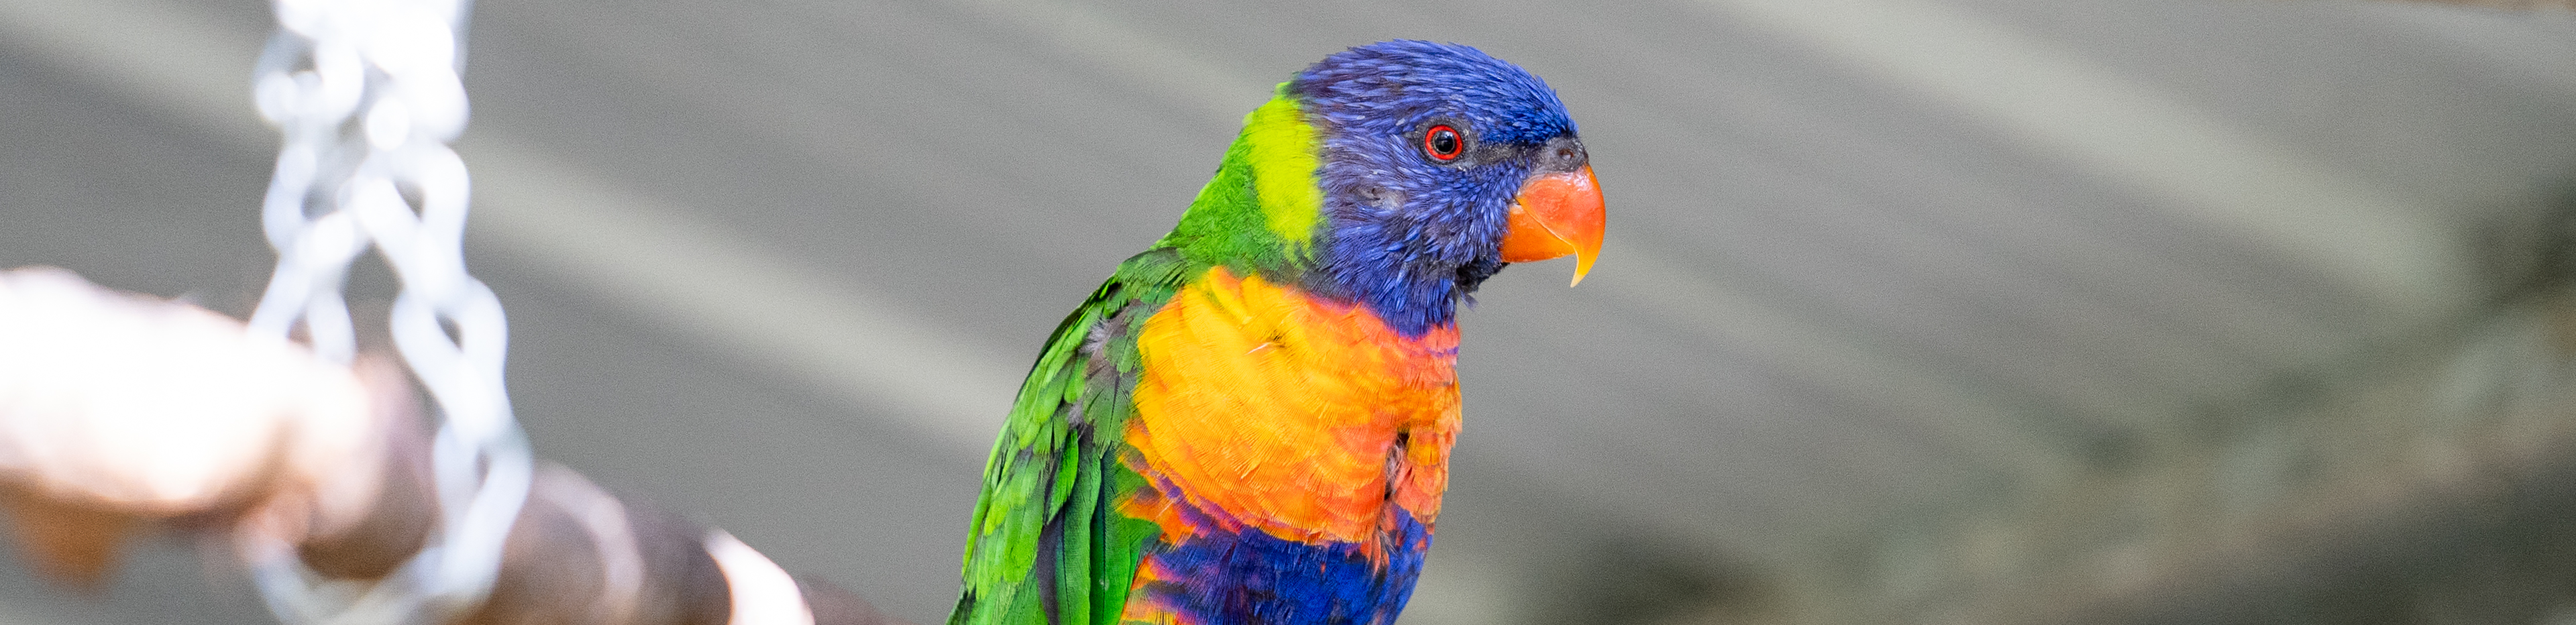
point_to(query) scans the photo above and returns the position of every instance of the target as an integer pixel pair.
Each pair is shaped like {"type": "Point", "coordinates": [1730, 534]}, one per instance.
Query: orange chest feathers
{"type": "Point", "coordinates": [1262, 407]}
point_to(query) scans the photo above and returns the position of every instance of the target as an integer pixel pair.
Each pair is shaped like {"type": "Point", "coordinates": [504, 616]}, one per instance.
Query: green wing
{"type": "Point", "coordinates": [1047, 539]}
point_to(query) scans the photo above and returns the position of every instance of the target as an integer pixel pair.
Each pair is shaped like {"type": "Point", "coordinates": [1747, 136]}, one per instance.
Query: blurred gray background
{"type": "Point", "coordinates": [1941, 311]}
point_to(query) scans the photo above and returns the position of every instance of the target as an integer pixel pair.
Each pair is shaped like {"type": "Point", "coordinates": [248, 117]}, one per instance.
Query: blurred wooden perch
{"type": "Point", "coordinates": [121, 414]}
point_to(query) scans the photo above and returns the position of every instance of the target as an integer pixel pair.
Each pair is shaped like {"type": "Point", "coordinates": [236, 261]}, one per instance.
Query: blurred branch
{"type": "Point", "coordinates": [121, 414]}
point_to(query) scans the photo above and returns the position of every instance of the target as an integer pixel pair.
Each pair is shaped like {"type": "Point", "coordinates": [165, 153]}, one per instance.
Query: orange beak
{"type": "Point", "coordinates": [1557, 214]}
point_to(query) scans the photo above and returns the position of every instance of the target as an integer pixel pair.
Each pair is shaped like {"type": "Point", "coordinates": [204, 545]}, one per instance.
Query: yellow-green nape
{"type": "Point", "coordinates": [1285, 154]}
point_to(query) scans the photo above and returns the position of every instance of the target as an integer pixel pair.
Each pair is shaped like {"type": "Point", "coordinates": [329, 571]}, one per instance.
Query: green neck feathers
{"type": "Point", "coordinates": [1261, 211]}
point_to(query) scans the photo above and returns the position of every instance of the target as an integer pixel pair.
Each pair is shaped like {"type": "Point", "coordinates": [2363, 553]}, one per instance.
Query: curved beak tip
{"type": "Point", "coordinates": [1555, 215]}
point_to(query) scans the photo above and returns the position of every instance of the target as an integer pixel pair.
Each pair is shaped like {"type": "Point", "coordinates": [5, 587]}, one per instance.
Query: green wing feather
{"type": "Point", "coordinates": [1047, 537]}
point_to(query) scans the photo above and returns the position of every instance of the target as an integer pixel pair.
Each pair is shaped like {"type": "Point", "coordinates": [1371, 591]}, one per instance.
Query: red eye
{"type": "Point", "coordinates": [1441, 142]}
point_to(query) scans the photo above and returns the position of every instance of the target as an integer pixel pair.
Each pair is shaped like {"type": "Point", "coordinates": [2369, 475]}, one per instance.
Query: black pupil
{"type": "Point", "coordinates": [1444, 143]}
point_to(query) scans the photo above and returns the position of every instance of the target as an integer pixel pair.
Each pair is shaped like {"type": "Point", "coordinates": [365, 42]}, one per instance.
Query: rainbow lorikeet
{"type": "Point", "coordinates": [1251, 421]}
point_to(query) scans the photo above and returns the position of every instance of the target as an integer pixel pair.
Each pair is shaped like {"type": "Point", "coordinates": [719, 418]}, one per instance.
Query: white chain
{"type": "Point", "coordinates": [367, 95]}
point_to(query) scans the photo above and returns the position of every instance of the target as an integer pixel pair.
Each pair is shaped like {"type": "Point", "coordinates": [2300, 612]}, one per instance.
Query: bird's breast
{"type": "Point", "coordinates": [1262, 407]}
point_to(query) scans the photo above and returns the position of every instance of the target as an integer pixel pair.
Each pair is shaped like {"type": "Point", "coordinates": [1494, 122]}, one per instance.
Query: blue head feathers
{"type": "Point", "coordinates": [1415, 215]}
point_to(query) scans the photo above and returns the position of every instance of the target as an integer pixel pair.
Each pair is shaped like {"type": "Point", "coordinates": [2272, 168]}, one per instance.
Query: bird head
{"type": "Point", "coordinates": [1440, 164]}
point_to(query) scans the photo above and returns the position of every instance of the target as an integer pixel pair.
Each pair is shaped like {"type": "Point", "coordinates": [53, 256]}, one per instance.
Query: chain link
{"type": "Point", "coordinates": [367, 95]}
